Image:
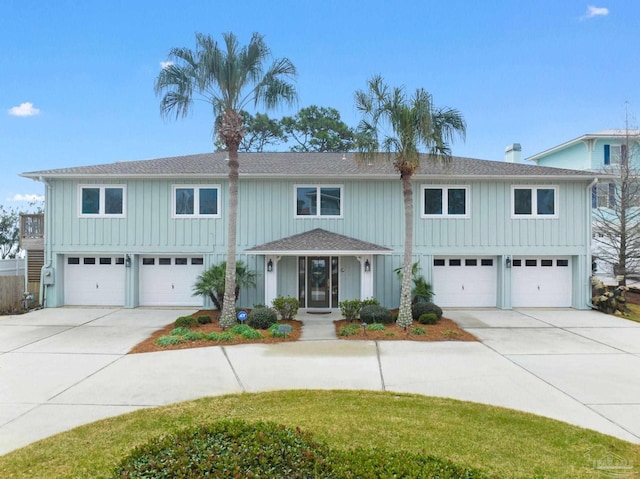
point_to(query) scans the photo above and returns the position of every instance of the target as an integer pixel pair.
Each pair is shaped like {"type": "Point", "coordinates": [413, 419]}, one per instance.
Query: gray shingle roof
{"type": "Point", "coordinates": [289, 164]}
{"type": "Point", "coordinates": [319, 240]}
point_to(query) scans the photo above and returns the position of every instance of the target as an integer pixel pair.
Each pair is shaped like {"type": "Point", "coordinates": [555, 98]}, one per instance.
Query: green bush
{"type": "Point", "coordinates": [246, 332]}
{"type": "Point", "coordinates": [349, 330]}
{"type": "Point", "coordinates": [350, 308]}
{"type": "Point", "coordinates": [373, 313]}
{"type": "Point", "coordinates": [262, 318]}
{"type": "Point", "coordinates": [375, 327]}
{"type": "Point", "coordinates": [204, 319]}
{"type": "Point", "coordinates": [369, 302]}
{"type": "Point", "coordinates": [228, 449]}
{"type": "Point", "coordinates": [418, 331]}
{"type": "Point", "coordinates": [185, 322]}
{"type": "Point", "coordinates": [194, 336]}
{"type": "Point", "coordinates": [179, 331]}
{"type": "Point", "coordinates": [418, 309]}
{"type": "Point", "coordinates": [224, 337]}
{"type": "Point", "coordinates": [428, 318]}
{"type": "Point", "coordinates": [169, 340]}
{"type": "Point", "coordinates": [287, 307]}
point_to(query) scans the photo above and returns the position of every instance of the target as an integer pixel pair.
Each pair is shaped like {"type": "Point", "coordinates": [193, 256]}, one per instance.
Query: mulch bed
{"type": "Point", "coordinates": [444, 330]}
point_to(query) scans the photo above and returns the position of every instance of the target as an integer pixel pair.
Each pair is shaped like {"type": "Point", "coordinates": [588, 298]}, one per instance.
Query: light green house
{"type": "Point", "coordinates": [318, 227]}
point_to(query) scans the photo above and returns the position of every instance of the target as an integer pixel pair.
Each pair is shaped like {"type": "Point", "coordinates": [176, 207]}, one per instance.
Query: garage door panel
{"type": "Point", "coordinates": [168, 281]}
{"type": "Point", "coordinates": [94, 281]}
{"type": "Point", "coordinates": [541, 282]}
{"type": "Point", "coordinates": [465, 282]}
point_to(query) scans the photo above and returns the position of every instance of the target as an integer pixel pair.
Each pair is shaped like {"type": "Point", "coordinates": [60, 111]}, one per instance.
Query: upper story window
{"type": "Point", "coordinates": [615, 155]}
{"type": "Point", "coordinates": [318, 201]}
{"type": "Point", "coordinates": [196, 201]}
{"type": "Point", "coordinates": [534, 201]}
{"type": "Point", "coordinates": [451, 201]}
{"type": "Point", "coordinates": [603, 195]}
{"type": "Point", "coordinates": [102, 200]}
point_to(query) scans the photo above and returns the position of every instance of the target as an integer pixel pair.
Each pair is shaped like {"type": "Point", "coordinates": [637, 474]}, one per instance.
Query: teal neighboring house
{"type": "Point", "coordinates": [318, 227]}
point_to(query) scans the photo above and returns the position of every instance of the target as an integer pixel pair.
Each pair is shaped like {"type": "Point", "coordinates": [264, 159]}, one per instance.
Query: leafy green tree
{"type": "Point", "coordinates": [318, 129]}
{"type": "Point", "coordinates": [228, 77]}
{"type": "Point", "coordinates": [9, 233]}
{"type": "Point", "coordinates": [211, 282]}
{"type": "Point", "coordinates": [260, 132]}
{"type": "Point", "coordinates": [399, 126]}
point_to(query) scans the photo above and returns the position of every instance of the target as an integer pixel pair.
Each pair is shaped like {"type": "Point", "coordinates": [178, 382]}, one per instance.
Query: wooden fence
{"type": "Point", "coordinates": [11, 290]}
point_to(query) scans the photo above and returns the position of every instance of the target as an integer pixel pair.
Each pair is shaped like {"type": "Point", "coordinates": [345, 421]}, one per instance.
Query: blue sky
{"type": "Point", "coordinates": [76, 77]}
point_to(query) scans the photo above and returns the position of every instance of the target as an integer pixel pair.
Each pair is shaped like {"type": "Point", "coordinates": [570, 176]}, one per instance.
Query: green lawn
{"type": "Point", "coordinates": [502, 442]}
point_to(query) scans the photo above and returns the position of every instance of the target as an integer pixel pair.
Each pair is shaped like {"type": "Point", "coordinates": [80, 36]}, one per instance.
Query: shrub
{"type": "Point", "coordinates": [246, 332]}
{"type": "Point", "coordinates": [262, 318]}
{"type": "Point", "coordinates": [179, 331]}
{"type": "Point", "coordinates": [193, 336]}
{"type": "Point", "coordinates": [229, 449]}
{"type": "Point", "coordinates": [375, 327]}
{"type": "Point", "coordinates": [428, 318]}
{"type": "Point", "coordinates": [418, 331]}
{"type": "Point", "coordinates": [422, 291]}
{"type": "Point", "coordinates": [372, 313]}
{"type": "Point", "coordinates": [418, 309]}
{"type": "Point", "coordinates": [349, 330]}
{"type": "Point", "coordinates": [369, 302]}
{"type": "Point", "coordinates": [204, 319]}
{"type": "Point", "coordinates": [169, 340]}
{"type": "Point", "coordinates": [185, 322]}
{"type": "Point", "coordinates": [350, 308]}
{"type": "Point", "coordinates": [287, 308]}
{"type": "Point", "coordinates": [224, 337]}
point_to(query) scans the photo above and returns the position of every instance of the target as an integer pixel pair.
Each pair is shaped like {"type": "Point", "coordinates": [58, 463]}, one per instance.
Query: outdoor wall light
{"type": "Point", "coordinates": [127, 261]}
{"type": "Point", "coordinates": [507, 262]}
{"type": "Point", "coordinates": [270, 266]}
{"type": "Point", "coordinates": [367, 266]}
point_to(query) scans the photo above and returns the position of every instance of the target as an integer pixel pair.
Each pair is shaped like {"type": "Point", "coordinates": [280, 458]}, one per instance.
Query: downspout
{"type": "Point", "coordinates": [47, 236]}
{"type": "Point", "coordinates": [589, 232]}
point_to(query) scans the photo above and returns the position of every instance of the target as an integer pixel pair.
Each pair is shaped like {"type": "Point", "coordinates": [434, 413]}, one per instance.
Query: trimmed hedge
{"type": "Point", "coordinates": [373, 313]}
{"type": "Point", "coordinates": [185, 322]}
{"type": "Point", "coordinates": [418, 309]}
{"type": "Point", "coordinates": [262, 318]}
{"type": "Point", "coordinates": [428, 318]}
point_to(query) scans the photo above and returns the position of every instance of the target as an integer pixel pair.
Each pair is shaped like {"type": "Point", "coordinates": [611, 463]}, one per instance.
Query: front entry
{"type": "Point", "coordinates": [318, 276]}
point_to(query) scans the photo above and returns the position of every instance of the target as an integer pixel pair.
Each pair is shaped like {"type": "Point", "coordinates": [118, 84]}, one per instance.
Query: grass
{"type": "Point", "coordinates": [502, 442]}
{"type": "Point", "coordinates": [634, 314]}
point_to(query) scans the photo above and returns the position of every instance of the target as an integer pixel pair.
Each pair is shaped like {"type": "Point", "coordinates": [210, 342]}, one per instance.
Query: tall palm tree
{"type": "Point", "coordinates": [229, 78]}
{"type": "Point", "coordinates": [399, 127]}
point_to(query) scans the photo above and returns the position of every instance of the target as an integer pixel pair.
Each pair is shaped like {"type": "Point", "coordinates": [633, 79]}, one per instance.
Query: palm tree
{"type": "Point", "coordinates": [212, 281]}
{"type": "Point", "coordinates": [400, 126]}
{"type": "Point", "coordinates": [229, 78]}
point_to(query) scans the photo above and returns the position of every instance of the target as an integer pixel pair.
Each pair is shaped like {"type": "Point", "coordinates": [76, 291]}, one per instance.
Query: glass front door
{"type": "Point", "coordinates": [318, 282]}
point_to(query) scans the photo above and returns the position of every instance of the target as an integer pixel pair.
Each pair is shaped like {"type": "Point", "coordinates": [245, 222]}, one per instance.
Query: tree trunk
{"type": "Point", "coordinates": [405, 318]}
{"type": "Point", "coordinates": [228, 316]}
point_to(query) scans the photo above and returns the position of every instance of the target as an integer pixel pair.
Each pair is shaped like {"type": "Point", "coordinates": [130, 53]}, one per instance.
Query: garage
{"type": "Point", "coordinates": [543, 282]}
{"type": "Point", "coordinates": [168, 281]}
{"type": "Point", "coordinates": [465, 282]}
{"type": "Point", "coordinates": [94, 280]}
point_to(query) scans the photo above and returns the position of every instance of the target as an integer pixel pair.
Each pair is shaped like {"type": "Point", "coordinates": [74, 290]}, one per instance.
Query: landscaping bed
{"type": "Point", "coordinates": [444, 330]}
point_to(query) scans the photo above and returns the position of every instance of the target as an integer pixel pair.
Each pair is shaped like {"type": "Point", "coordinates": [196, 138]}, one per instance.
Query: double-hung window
{"type": "Point", "coordinates": [102, 201]}
{"type": "Point", "coordinates": [324, 201]}
{"type": "Point", "coordinates": [534, 201]}
{"type": "Point", "coordinates": [615, 155]}
{"type": "Point", "coordinates": [603, 195]}
{"type": "Point", "coordinates": [445, 201]}
{"type": "Point", "coordinates": [191, 201]}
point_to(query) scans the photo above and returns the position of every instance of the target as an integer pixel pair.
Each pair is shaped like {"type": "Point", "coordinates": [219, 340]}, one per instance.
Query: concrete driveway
{"type": "Point", "coordinates": [60, 368]}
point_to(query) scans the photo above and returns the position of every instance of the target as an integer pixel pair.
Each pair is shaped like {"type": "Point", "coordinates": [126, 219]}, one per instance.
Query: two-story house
{"type": "Point", "coordinates": [318, 227]}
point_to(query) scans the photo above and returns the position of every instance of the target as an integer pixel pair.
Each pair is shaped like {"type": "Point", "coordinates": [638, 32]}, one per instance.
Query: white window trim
{"type": "Point", "coordinates": [101, 213]}
{"type": "Point", "coordinates": [196, 201]}
{"type": "Point", "coordinates": [318, 188]}
{"type": "Point", "coordinates": [445, 201]}
{"type": "Point", "coordinates": [534, 189]}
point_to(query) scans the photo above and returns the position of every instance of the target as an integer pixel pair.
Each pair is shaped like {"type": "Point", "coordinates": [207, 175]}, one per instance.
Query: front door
{"type": "Point", "coordinates": [318, 282]}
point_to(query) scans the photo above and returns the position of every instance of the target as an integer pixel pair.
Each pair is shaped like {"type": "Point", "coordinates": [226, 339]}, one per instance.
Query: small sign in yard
{"type": "Point", "coordinates": [242, 316]}
{"type": "Point", "coordinates": [284, 329]}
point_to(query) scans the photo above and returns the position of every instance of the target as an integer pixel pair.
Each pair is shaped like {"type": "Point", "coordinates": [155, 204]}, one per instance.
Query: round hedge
{"type": "Point", "coordinates": [373, 313]}
{"type": "Point", "coordinates": [418, 309]}
{"type": "Point", "coordinates": [262, 318]}
{"type": "Point", "coordinates": [228, 449]}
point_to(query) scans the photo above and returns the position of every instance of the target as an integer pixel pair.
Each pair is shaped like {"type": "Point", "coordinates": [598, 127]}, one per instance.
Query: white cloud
{"type": "Point", "coordinates": [595, 12]}
{"type": "Point", "coordinates": [166, 64]}
{"type": "Point", "coordinates": [29, 198]}
{"type": "Point", "coordinates": [25, 109]}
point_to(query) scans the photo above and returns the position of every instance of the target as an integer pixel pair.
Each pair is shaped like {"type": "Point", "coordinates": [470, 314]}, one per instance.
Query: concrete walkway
{"type": "Point", "coordinates": [60, 368]}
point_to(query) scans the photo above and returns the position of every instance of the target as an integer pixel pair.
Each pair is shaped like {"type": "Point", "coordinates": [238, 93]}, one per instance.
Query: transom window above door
{"type": "Point", "coordinates": [534, 201]}
{"type": "Point", "coordinates": [102, 200]}
{"type": "Point", "coordinates": [196, 201]}
{"type": "Point", "coordinates": [318, 201]}
{"type": "Point", "coordinates": [445, 201]}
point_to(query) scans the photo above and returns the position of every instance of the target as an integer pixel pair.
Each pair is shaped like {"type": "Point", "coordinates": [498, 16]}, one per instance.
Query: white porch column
{"type": "Point", "coordinates": [366, 276]}
{"type": "Point", "coordinates": [270, 278]}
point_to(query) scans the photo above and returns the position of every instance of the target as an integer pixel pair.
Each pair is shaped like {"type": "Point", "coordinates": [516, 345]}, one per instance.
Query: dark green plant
{"type": "Point", "coordinates": [211, 282]}
{"type": "Point", "coordinates": [418, 331]}
{"type": "Point", "coordinates": [193, 336]}
{"type": "Point", "coordinates": [375, 327]}
{"type": "Point", "coordinates": [229, 449]}
{"type": "Point", "coordinates": [421, 291]}
{"type": "Point", "coordinates": [223, 337]}
{"type": "Point", "coordinates": [181, 331]}
{"type": "Point", "coordinates": [350, 308]}
{"type": "Point", "coordinates": [204, 319]}
{"type": "Point", "coordinates": [262, 318]}
{"type": "Point", "coordinates": [185, 322]}
{"type": "Point", "coordinates": [246, 332]}
{"type": "Point", "coordinates": [169, 340]}
{"type": "Point", "coordinates": [418, 309]}
{"type": "Point", "coordinates": [349, 330]}
{"type": "Point", "coordinates": [428, 318]}
{"type": "Point", "coordinates": [287, 307]}
{"type": "Point", "coordinates": [372, 313]}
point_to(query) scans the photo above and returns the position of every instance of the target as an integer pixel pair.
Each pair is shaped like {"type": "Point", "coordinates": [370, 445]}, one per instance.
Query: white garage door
{"type": "Point", "coordinates": [541, 282]}
{"type": "Point", "coordinates": [168, 281]}
{"type": "Point", "coordinates": [465, 282]}
{"type": "Point", "coordinates": [94, 280]}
